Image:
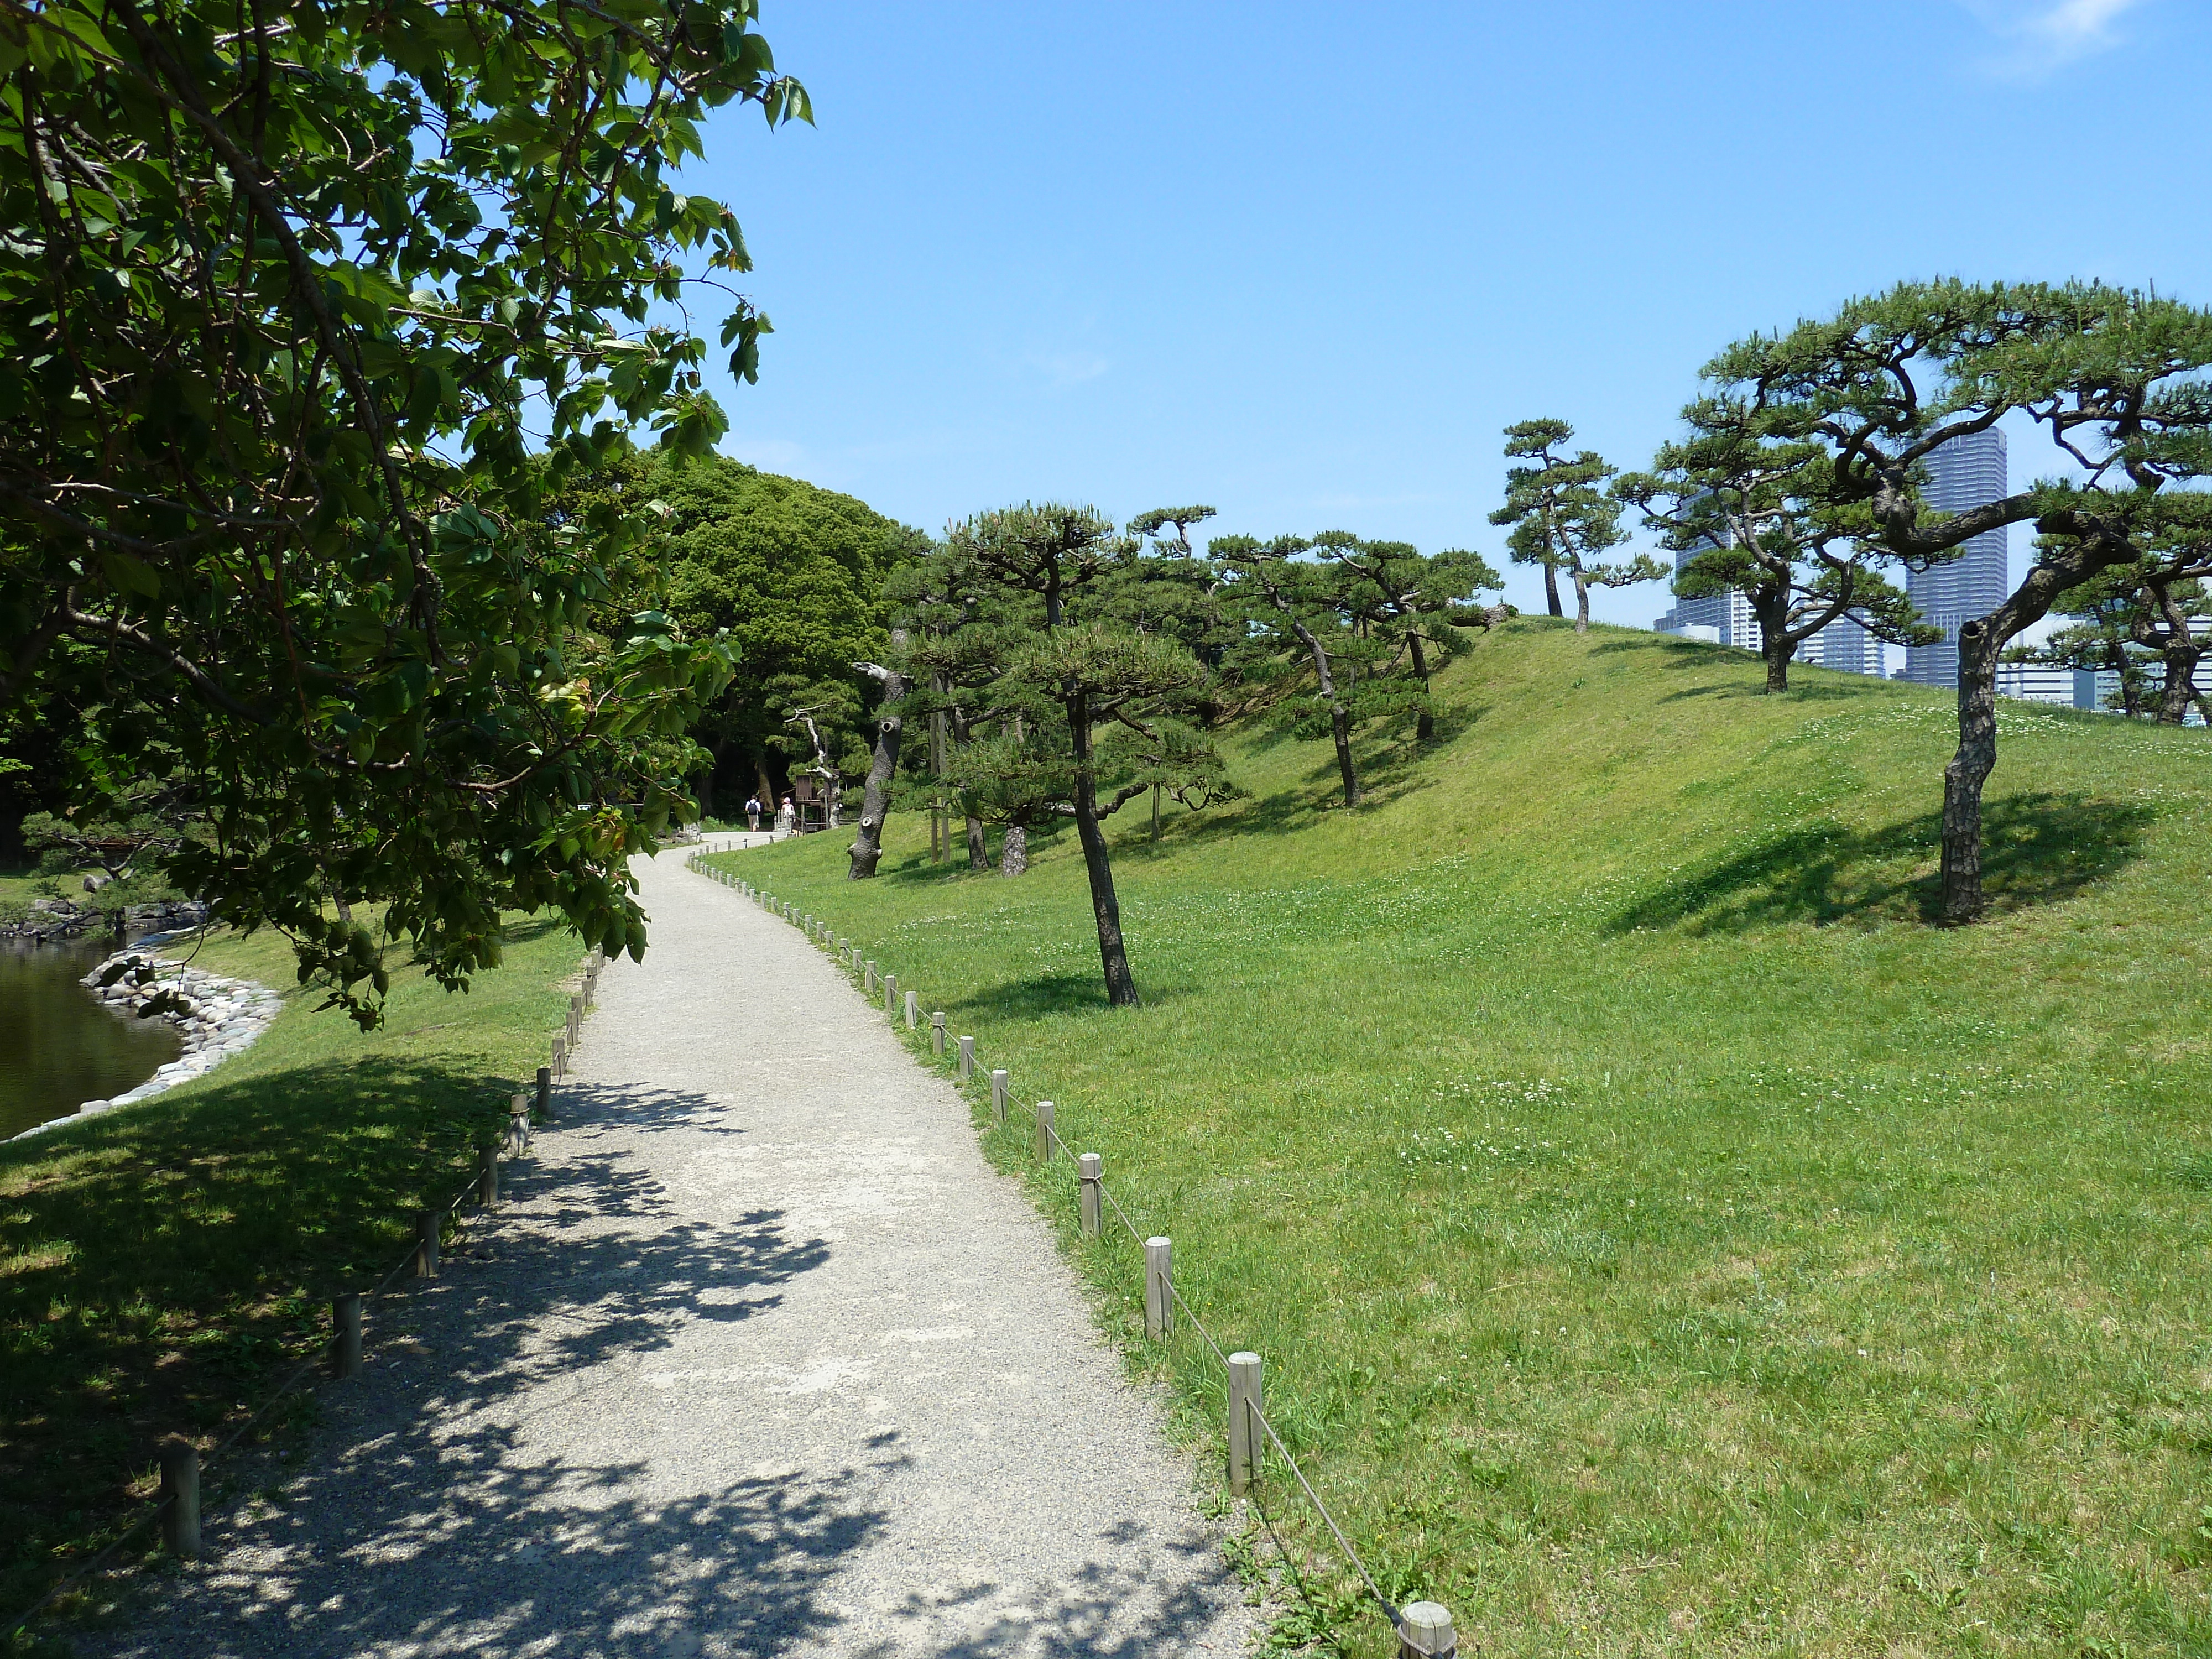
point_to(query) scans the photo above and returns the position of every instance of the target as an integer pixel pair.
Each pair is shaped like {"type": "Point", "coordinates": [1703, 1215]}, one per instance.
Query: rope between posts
{"type": "Point", "coordinates": [1389, 1607]}
{"type": "Point", "coordinates": [1328, 1520]}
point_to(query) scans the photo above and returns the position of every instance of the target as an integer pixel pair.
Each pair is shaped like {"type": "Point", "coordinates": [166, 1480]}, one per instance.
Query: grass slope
{"type": "Point", "coordinates": [162, 1265]}
{"type": "Point", "coordinates": [1660, 1238]}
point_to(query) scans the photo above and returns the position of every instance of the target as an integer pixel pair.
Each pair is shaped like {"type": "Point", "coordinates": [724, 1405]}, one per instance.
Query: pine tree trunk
{"type": "Point", "coordinates": [1970, 769]}
{"type": "Point", "coordinates": [1552, 590]}
{"type": "Point", "coordinates": [1777, 663]}
{"type": "Point", "coordinates": [1014, 850]}
{"type": "Point", "coordinates": [1424, 723]}
{"type": "Point", "coordinates": [867, 847]}
{"type": "Point", "coordinates": [978, 857]}
{"type": "Point", "coordinates": [1582, 603]}
{"type": "Point", "coordinates": [1113, 954]}
{"type": "Point", "coordinates": [1339, 724]}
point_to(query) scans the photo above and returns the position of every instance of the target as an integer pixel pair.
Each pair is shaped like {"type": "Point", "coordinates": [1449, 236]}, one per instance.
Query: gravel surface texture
{"type": "Point", "coordinates": [760, 1356]}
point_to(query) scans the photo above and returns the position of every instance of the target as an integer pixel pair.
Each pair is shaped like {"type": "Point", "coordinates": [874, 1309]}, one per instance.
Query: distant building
{"type": "Point", "coordinates": [1844, 644]}
{"type": "Point", "coordinates": [1967, 472]}
{"type": "Point", "coordinates": [2071, 688]}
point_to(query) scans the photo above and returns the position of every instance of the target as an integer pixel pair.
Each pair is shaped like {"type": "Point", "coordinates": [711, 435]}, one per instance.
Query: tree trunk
{"type": "Point", "coordinates": [1582, 601]}
{"type": "Point", "coordinates": [1970, 769]}
{"type": "Point", "coordinates": [1552, 589]}
{"type": "Point", "coordinates": [1339, 724]}
{"type": "Point", "coordinates": [978, 857]}
{"type": "Point", "coordinates": [1014, 850]}
{"type": "Point", "coordinates": [867, 847]}
{"type": "Point", "coordinates": [1113, 955]}
{"type": "Point", "coordinates": [1777, 652]}
{"type": "Point", "coordinates": [1424, 723]}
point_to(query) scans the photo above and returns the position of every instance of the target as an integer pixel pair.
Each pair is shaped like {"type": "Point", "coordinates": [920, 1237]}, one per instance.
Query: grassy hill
{"type": "Point", "coordinates": [1660, 1238]}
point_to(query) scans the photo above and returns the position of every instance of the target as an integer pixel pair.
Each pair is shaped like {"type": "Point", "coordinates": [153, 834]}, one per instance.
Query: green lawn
{"type": "Point", "coordinates": [163, 1263]}
{"type": "Point", "coordinates": [1659, 1236]}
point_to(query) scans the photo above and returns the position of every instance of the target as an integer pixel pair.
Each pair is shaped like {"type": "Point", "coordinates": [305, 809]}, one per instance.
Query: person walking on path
{"type": "Point", "coordinates": [752, 814]}
{"type": "Point", "coordinates": [734, 1369]}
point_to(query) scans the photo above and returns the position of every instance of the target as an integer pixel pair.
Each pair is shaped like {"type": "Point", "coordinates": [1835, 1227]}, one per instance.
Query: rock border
{"type": "Point", "coordinates": [217, 1016]}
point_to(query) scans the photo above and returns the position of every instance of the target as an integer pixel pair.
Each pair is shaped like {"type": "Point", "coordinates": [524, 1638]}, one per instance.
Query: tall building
{"type": "Point", "coordinates": [1967, 472]}
{"type": "Point", "coordinates": [1720, 619]}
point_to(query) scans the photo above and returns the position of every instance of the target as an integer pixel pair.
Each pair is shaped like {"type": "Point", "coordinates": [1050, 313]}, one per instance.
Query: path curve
{"type": "Point", "coordinates": [760, 1357]}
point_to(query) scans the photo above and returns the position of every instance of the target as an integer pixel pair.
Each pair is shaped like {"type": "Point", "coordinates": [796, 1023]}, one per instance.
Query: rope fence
{"type": "Point", "coordinates": [1424, 1629]}
{"type": "Point", "coordinates": [177, 1507]}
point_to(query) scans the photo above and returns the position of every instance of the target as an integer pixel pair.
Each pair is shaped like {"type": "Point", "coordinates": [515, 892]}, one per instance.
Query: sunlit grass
{"type": "Point", "coordinates": [1660, 1238]}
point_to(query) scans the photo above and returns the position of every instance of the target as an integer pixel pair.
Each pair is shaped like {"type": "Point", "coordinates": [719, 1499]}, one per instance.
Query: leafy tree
{"type": "Point", "coordinates": [795, 575]}
{"type": "Point", "coordinates": [1417, 604]}
{"type": "Point", "coordinates": [2114, 378]}
{"type": "Point", "coordinates": [1097, 672]}
{"type": "Point", "coordinates": [292, 303]}
{"type": "Point", "coordinates": [1563, 516]}
{"type": "Point", "coordinates": [1310, 602]}
{"type": "Point", "coordinates": [2128, 620]}
{"type": "Point", "coordinates": [1746, 510]}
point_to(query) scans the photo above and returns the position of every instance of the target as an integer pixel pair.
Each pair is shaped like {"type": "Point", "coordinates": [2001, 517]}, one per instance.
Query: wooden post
{"type": "Point", "coordinates": [488, 1177]}
{"type": "Point", "coordinates": [913, 1010]}
{"type": "Point", "coordinates": [1090, 1170]}
{"type": "Point", "coordinates": [998, 1096]}
{"type": "Point", "coordinates": [575, 1016]}
{"type": "Point", "coordinates": [868, 977]}
{"type": "Point", "coordinates": [1159, 1305]}
{"type": "Point", "coordinates": [1245, 1437]}
{"type": "Point", "coordinates": [890, 993]}
{"type": "Point", "coordinates": [560, 1057]}
{"type": "Point", "coordinates": [345, 1334]}
{"type": "Point", "coordinates": [967, 1058]}
{"type": "Point", "coordinates": [428, 1226]}
{"type": "Point", "coordinates": [937, 1032]}
{"type": "Point", "coordinates": [545, 1092]}
{"type": "Point", "coordinates": [180, 1485]}
{"type": "Point", "coordinates": [1424, 1632]}
{"type": "Point", "coordinates": [1044, 1132]}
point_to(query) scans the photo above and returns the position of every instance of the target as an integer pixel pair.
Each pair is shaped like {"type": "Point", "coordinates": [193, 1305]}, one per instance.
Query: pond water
{"type": "Point", "coordinates": [58, 1047]}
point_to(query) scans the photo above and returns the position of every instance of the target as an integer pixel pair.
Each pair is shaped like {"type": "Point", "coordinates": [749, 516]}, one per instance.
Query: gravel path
{"type": "Point", "coordinates": [760, 1357]}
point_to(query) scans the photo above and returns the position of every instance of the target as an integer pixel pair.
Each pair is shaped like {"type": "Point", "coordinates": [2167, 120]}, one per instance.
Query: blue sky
{"type": "Point", "coordinates": [1304, 263]}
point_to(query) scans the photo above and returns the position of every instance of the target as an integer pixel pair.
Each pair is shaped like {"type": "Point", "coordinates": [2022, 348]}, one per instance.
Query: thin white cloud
{"type": "Point", "coordinates": [1067, 368]}
{"type": "Point", "coordinates": [2047, 36]}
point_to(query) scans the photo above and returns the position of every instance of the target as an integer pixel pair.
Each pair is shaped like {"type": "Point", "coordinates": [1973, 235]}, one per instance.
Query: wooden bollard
{"type": "Point", "coordinates": [345, 1334]}
{"type": "Point", "coordinates": [488, 1177]}
{"type": "Point", "coordinates": [545, 1092]}
{"type": "Point", "coordinates": [1044, 1132]}
{"type": "Point", "coordinates": [428, 1226]}
{"type": "Point", "coordinates": [1090, 1171]}
{"type": "Point", "coordinates": [560, 1057]}
{"type": "Point", "coordinates": [913, 1010]}
{"type": "Point", "coordinates": [967, 1058]}
{"type": "Point", "coordinates": [1246, 1440]}
{"type": "Point", "coordinates": [1159, 1302]}
{"type": "Point", "coordinates": [1424, 1632]}
{"type": "Point", "coordinates": [868, 978]}
{"type": "Point", "coordinates": [890, 993]}
{"type": "Point", "coordinates": [180, 1486]}
{"type": "Point", "coordinates": [998, 1096]}
{"type": "Point", "coordinates": [937, 1032]}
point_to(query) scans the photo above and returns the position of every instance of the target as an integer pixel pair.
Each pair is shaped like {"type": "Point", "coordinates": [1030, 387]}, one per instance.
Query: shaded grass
{"type": "Point", "coordinates": [162, 1265]}
{"type": "Point", "coordinates": [1660, 1238]}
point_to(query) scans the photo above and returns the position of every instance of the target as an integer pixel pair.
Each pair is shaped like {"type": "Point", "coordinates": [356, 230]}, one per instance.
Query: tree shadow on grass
{"type": "Point", "coordinates": [191, 1241]}
{"type": "Point", "coordinates": [2037, 849]}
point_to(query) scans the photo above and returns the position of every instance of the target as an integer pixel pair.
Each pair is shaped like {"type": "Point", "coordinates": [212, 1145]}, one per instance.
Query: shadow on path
{"type": "Point", "coordinates": [432, 1524]}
